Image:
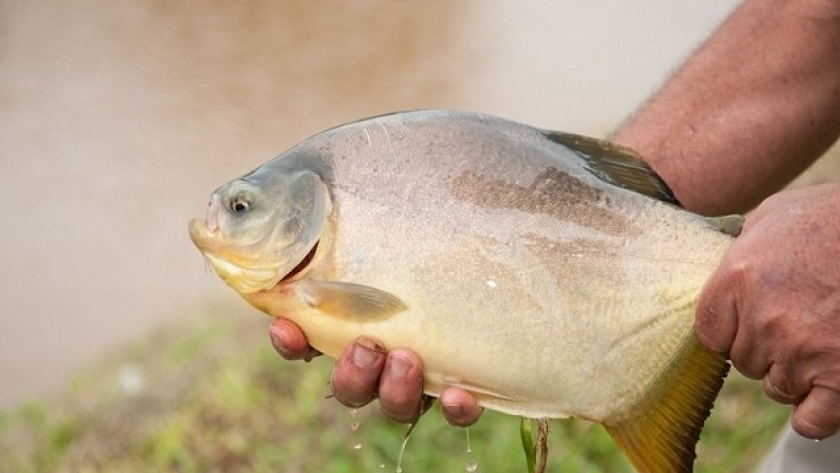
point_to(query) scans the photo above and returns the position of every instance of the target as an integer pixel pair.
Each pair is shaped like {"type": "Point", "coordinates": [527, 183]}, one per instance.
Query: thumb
{"type": "Point", "coordinates": [716, 317]}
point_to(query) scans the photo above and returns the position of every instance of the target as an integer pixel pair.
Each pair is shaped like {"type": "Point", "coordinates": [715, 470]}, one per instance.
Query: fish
{"type": "Point", "coordinates": [550, 275]}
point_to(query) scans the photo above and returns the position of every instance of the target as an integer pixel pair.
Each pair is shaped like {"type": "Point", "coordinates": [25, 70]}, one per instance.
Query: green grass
{"type": "Point", "coordinates": [216, 397]}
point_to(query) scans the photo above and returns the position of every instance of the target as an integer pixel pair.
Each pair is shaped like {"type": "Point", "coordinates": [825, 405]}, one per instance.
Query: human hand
{"type": "Point", "coordinates": [774, 305]}
{"type": "Point", "coordinates": [365, 370]}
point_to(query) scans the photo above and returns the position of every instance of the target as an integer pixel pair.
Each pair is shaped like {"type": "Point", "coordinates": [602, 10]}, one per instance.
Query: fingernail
{"type": "Point", "coordinates": [364, 355]}
{"type": "Point", "coordinates": [454, 410]}
{"type": "Point", "coordinates": [398, 366]}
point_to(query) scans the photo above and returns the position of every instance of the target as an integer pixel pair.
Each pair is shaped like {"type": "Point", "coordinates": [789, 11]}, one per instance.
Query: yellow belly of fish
{"type": "Point", "coordinates": [651, 386]}
{"type": "Point", "coordinates": [545, 367]}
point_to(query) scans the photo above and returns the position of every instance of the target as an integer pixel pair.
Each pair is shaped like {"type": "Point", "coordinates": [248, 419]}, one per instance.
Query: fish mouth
{"type": "Point", "coordinates": [247, 273]}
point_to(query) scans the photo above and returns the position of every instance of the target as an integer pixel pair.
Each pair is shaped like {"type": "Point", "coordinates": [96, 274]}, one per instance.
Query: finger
{"type": "Point", "coordinates": [459, 407]}
{"type": "Point", "coordinates": [748, 357]}
{"type": "Point", "coordinates": [289, 341]}
{"type": "Point", "coordinates": [781, 385]}
{"type": "Point", "coordinates": [401, 386]}
{"type": "Point", "coordinates": [716, 318]}
{"type": "Point", "coordinates": [818, 416]}
{"type": "Point", "coordinates": [778, 394]}
{"type": "Point", "coordinates": [356, 373]}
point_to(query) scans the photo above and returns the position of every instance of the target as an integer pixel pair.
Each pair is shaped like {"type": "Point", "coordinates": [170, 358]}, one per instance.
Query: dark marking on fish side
{"type": "Point", "coordinates": [552, 192]}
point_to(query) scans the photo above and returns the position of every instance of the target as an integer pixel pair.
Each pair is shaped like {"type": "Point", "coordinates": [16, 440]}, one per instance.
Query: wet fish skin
{"type": "Point", "coordinates": [551, 275]}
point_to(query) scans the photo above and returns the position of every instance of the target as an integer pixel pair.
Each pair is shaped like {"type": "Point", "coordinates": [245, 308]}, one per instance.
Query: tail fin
{"type": "Point", "coordinates": [661, 434]}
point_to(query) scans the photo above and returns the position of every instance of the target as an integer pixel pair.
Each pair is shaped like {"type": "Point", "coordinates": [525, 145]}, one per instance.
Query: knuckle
{"type": "Point", "coordinates": [716, 319]}
{"type": "Point", "coordinates": [779, 390]}
{"type": "Point", "coordinates": [747, 367]}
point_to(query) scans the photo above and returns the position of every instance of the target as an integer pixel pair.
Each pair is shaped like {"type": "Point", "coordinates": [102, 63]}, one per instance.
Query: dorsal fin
{"type": "Point", "coordinates": [616, 164]}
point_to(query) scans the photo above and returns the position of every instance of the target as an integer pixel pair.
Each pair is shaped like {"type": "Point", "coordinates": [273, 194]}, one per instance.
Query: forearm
{"type": "Point", "coordinates": [752, 108]}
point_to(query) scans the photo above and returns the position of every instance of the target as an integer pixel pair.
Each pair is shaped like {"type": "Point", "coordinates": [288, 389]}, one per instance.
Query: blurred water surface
{"type": "Point", "coordinates": [117, 119]}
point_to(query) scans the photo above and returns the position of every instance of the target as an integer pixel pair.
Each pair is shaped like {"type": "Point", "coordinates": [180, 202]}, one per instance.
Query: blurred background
{"type": "Point", "coordinates": [117, 120]}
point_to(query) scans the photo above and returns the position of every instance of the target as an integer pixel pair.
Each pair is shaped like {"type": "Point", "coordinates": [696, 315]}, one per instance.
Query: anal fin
{"type": "Point", "coordinates": [661, 434]}
{"type": "Point", "coordinates": [479, 392]}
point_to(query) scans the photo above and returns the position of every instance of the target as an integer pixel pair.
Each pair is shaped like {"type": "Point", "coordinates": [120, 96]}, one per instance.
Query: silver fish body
{"type": "Point", "coordinates": [550, 275]}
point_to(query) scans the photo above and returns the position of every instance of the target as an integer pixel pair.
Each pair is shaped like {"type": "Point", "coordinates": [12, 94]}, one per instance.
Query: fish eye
{"type": "Point", "coordinates": [239, 205]}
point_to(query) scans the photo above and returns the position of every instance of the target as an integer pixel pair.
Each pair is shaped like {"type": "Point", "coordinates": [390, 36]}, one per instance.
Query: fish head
{"type": "Point", "coordinates": [264, 228]}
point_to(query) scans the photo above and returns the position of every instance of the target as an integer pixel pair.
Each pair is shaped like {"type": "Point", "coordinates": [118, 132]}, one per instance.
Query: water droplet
{"type": "Point", "coordinates": [491, 284]}
{"type": "Point", "coordinates": [381, 466]}
{"type": "Point", "coordinates": [471, 466]}
{"type": "Point", "coordinates": [354, 426]}
{"type": "Point", "coordinates": [402, 447]}
{"type": "Point", "coordinates": [469, 446]}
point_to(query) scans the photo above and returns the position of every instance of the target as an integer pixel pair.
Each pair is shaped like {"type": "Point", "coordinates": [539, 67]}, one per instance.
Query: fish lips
{"type": "Point", "coordinates": [248, 275]}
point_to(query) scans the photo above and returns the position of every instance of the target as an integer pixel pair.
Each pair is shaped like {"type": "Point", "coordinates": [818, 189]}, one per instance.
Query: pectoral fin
{"type": "Point", "coordinates": [350, 301]}
{"type": "Point", "coordinates": [660, 435]}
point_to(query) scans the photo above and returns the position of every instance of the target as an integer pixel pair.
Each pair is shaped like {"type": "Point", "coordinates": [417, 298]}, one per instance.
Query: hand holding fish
{"type": "Point", "coordinates": [364, 372]}
{"type": "Point", "coordinates": [774, 305]}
